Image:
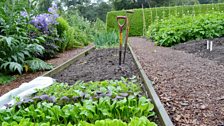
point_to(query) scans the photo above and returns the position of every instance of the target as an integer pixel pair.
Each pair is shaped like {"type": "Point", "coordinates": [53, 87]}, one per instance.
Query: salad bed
{"type": "Point", "coordinates": [100, 103]}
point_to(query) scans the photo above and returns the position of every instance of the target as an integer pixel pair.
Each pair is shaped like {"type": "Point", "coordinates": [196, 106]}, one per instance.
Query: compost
{"type": "Point", "coordinates": [100, 64]}
{"type": "Point", "coordinates": [190, 87]}
{"type": "Point", "coordinates": [199, 48]}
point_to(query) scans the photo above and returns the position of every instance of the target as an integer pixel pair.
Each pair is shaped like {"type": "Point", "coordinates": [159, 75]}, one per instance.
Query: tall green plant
{"type": "Point", "coordinates": [16, 44]}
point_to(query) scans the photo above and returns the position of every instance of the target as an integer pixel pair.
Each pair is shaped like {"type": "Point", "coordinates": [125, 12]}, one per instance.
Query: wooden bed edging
{"type": "Point", "coordinates": [159, 108]}
{"type": "Point", "coordinates": [67, 63]}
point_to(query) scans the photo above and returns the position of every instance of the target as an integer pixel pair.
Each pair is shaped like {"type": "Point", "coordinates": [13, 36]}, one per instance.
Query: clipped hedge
{"type": "Point", "coordinates": [151, 14]}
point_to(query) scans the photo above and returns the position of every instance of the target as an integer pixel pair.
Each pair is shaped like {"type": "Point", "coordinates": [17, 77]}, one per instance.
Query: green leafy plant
{"type": "Point", "coordinates": [4, 79]}
{"type": "Point", "coordinates": [176, 30]}
{"type": "Point", "coordinates": [142, 121]}
{"type": "Point", "coordinates": [37, 64]}
{"type": "Point", "coordinates": [106, 39]}
{"type": "Point", "coordinates": [94, 89]}
{"type": "Point", "coordinates": [152, 14]}
{"type": "Point", "coordinates": [17, 45]}
{"type": "Point", "coordinates": [93, 103]}
{"type": "Point", "coordinates": [62, 25]}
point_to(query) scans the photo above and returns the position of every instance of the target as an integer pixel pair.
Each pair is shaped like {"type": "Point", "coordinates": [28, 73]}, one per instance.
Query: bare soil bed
{"type": "Point", "coordinates": [61, 58]}
{"type": "Point", "coordinates": [100, 64]}
{"type": "Point", "coordinates": [190, 87]}
{"type": "Point", "coordinates": [199, 48]}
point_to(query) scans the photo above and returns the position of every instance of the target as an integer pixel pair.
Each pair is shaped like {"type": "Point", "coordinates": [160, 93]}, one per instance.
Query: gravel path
{"type": "Point", "coordinates": [190, 87]}
{"type": "Point", "coordinates": [26, 77]}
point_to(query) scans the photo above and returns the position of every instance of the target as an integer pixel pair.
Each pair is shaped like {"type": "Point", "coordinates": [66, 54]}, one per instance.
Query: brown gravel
{"type": "Point", "coordinates": [191, 88]}
{"type": "Point", "coordinates": [61, 58]}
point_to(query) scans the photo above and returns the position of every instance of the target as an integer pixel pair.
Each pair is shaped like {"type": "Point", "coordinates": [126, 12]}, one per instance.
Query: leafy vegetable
{"type": "Point", "coordinates": [142, 121]}
{"type": "Point", "coordinates": [175, 30]}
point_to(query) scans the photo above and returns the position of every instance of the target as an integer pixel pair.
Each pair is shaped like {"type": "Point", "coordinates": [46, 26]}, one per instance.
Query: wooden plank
{"type": "Point", "coordinates": [67, 63]}
{"type": "Point", "coordinates": [159, 108]}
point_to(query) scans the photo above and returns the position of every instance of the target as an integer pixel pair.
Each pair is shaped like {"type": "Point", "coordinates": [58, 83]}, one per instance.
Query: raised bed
{"type": "Point", "coordinates": [99, 65]}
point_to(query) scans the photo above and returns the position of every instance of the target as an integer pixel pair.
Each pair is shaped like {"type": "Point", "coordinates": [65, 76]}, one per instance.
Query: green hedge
{"type": "Point", "coordinates": [136, 20]}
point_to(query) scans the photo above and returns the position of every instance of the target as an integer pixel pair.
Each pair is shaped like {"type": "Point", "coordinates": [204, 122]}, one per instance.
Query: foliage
{"type": "Point", "coordinates": [154, 14]}
{"type": "Point", "coordinates": [83, 32]}
{"type": "Point", "coordinates": [129, 4]}
{"type": "Point", "coordinates": [51, 48]}
{"type": "Point", "coordinates": [84, 110]}
{"type": "Point", "coordinates": [106, 39]}
{"type": "Point", "coordinates": [37, 64]}
{"type": "Point", "coordinates": [62, 26]}
{"type": "Point", "coordinates": [142, 121]}
{"type": "Point", "coordinates": [99, 26]}
{"type": "Point", "coordinates": [69, 38]}
{"type": "Point", "coordinates": [17, 42]}
{"type": "Point", "coordinates": [110, 88]}
{"type": "Point", "coordinates": [177, 30]}
{"type": "Point", "coordinates": [109, 102]}
{"type": "Point", "coordinates": [14, 54]}
{"type": "Point", "coordinates": [4, 79]}
{"type": "Point", "coordinates": [93, 103]}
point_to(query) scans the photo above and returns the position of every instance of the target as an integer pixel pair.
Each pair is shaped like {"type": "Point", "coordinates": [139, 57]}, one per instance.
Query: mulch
{"type": "Point", "coordinates": [26, 77]}
{"type": "Point", "coordinates": [190, 87]}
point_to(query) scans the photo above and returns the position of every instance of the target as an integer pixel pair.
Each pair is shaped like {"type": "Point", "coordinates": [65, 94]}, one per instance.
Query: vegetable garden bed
{"type": "Point", "coordinates": [198, 47]}
{"type": "Point", "coordinates": [109, 100]}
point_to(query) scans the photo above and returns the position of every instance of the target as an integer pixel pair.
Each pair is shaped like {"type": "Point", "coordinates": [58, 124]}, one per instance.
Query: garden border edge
{"type": "Point", "coordinates": [68, 63]}
{"type": "Point", "coordinates": [159, 108]}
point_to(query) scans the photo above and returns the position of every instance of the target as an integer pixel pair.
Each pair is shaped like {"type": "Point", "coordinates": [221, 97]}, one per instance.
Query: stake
{"type": "Point", "coordinates": [211, 44]}
{"type": "Point", "coordinates": [121, 26]}
{"type": "Point", "coordinates": [127, 33]}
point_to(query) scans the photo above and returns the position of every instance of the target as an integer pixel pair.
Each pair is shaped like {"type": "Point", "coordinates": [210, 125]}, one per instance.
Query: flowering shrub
{"type": "Point", "coordinates": [45, 22]}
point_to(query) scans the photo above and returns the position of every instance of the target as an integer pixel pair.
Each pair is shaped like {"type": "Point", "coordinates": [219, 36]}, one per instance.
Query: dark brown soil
{"type": "Point", "coordinates": [199, 48]}
{"type": "Point", "coordinates": [61, 58]}
{"type": "Point", "coordinates": [190, 87]}
{"type": "Point", "coordinates": [101, 64]}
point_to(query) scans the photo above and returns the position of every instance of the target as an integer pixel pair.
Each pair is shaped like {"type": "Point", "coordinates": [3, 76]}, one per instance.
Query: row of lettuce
{"type": "Point", "coordinates": [28, 36]}
{"type": "Point", "coordinates": [102, 103]}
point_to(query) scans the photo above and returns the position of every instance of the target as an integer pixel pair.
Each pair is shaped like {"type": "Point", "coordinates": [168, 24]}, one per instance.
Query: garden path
{"type": "Point", "coordinates": [190, 87]}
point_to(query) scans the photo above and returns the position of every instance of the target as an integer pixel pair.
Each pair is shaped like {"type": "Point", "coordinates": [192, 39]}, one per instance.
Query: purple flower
{"type": "Point", "coordinates": [45, 21]}
{"type": "Point", "coordinates": [52, 10]}
{"type": "Point", "coordinates": [54, 5]}
{"type": "Point", "coordinates": [24, 13]}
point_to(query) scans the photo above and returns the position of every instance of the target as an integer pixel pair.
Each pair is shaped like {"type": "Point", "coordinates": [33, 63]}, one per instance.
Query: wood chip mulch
{"type": "Point", "coordinates": [191, 88]}
{"type": "Point", "coordinates": [61, 58]}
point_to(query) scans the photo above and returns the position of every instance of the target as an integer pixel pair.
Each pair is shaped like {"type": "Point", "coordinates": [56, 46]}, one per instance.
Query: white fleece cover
{"type": "Point", "coordinates": [25, 89]}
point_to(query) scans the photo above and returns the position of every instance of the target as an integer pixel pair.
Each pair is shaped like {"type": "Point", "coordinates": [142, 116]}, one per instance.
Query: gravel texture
{"type": "Point", "coordinates": [26, 77]}
{"type": "Point", "coordinates": [190, 87]}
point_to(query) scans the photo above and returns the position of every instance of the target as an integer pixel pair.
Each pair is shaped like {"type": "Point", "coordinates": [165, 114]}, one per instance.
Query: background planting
{"type": "Point", "coordinates": [152, 14]}
{"type": "Point", "coordinates": [176, 30]}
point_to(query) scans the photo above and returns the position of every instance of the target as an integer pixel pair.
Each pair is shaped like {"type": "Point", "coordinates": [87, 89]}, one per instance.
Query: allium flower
{"type": "Point", "coordinates": [24, 13]}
